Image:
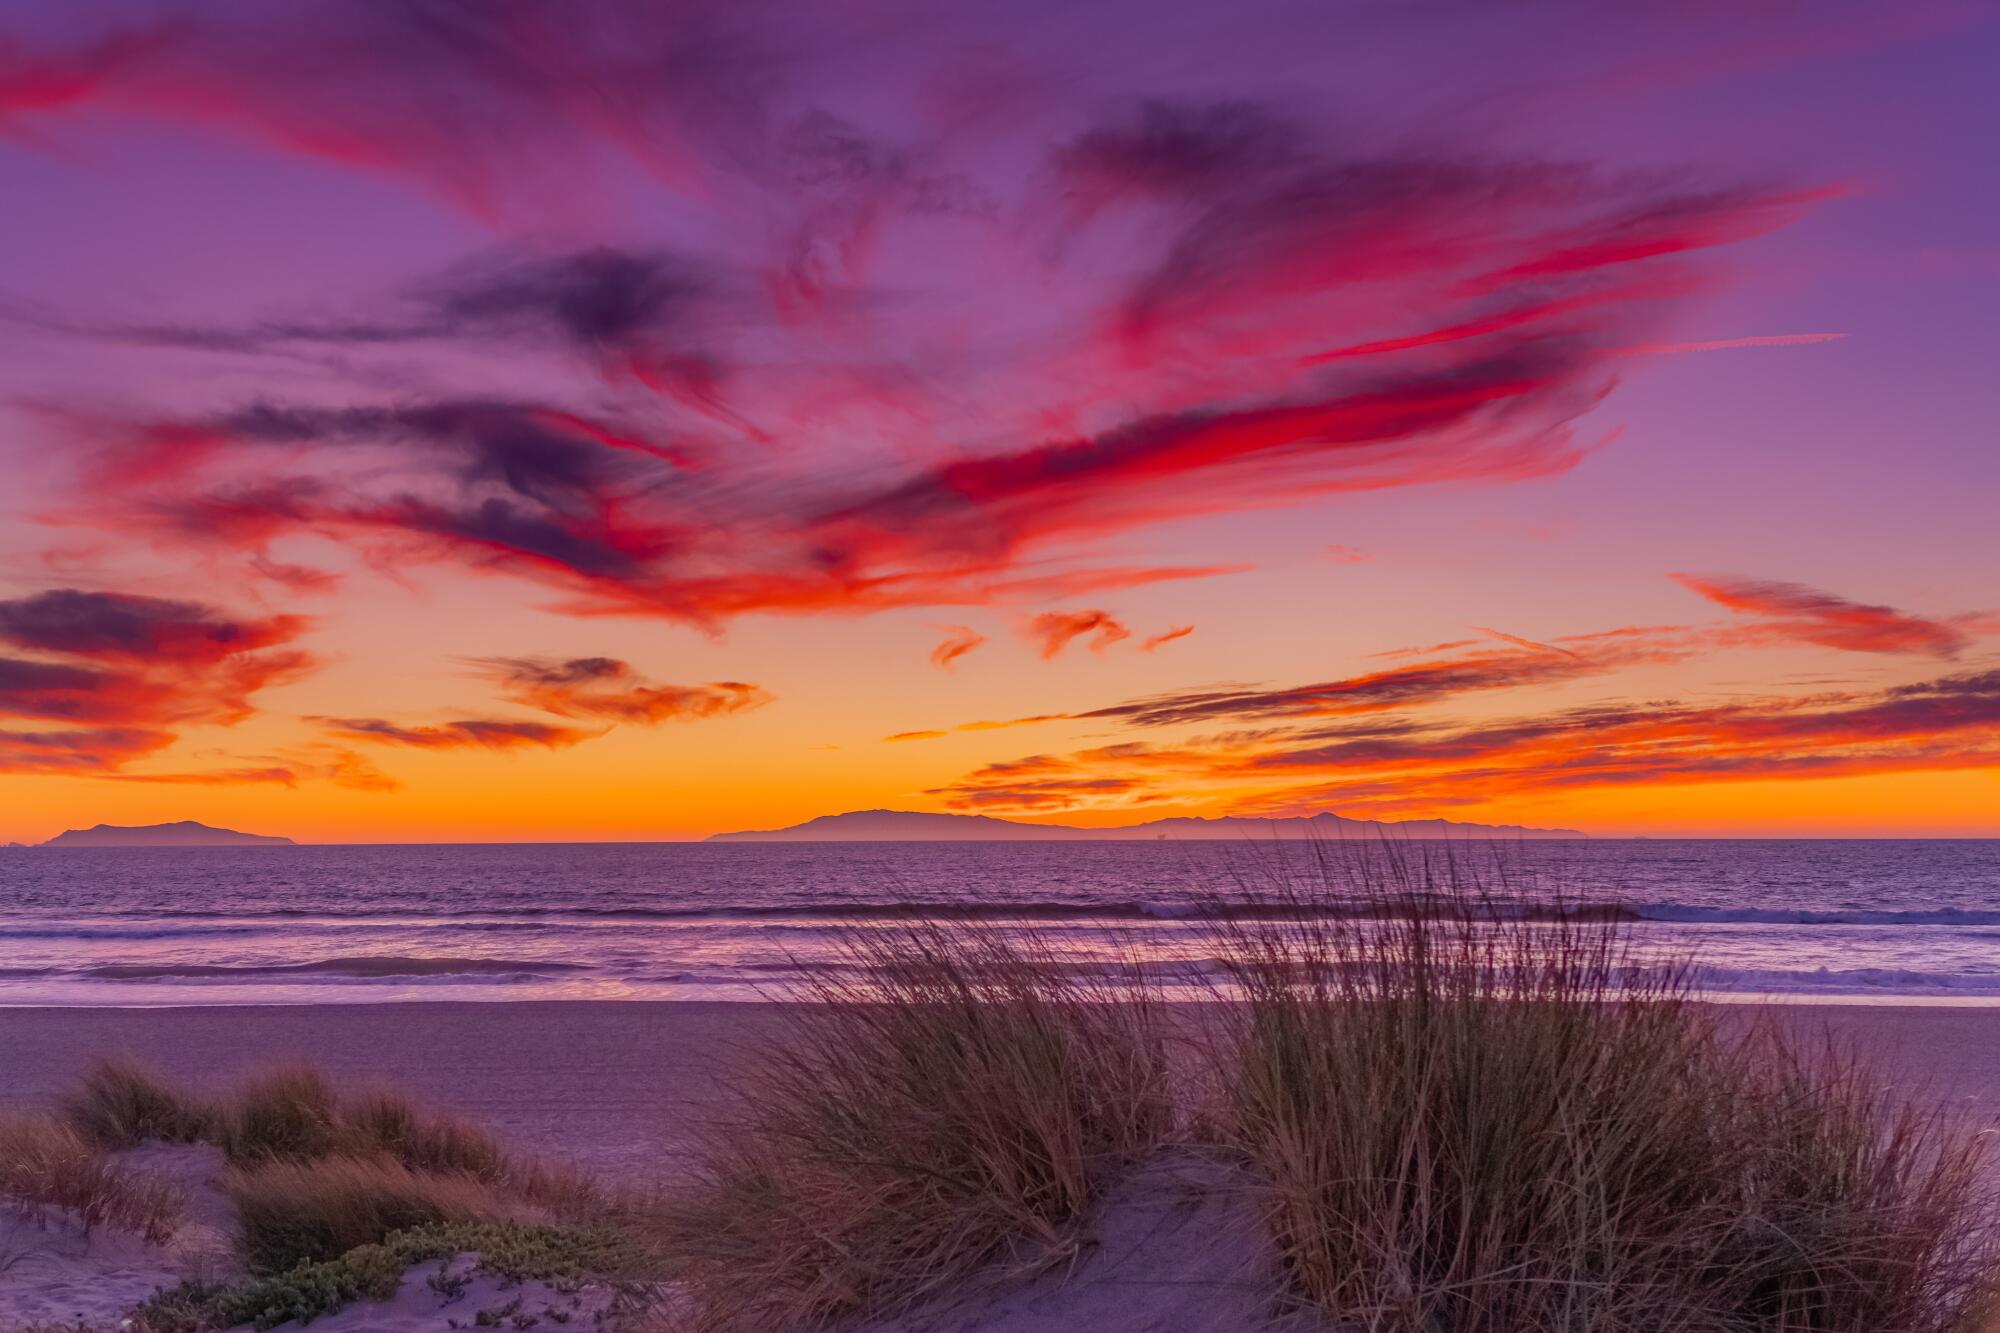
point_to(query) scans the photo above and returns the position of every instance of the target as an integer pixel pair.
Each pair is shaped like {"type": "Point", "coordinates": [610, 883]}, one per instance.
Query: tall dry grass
{"type": "Point", "coordinates": [294, 1212]}
{"type": "Point", "coordinates": [290, 1113]}
{"type": "Point", "coordinates": [1465, 1121]}
{"type": "Point", "coordinates": [117, 1104]}
{"type": "Point", "coordinates": [46, 1164]}
{"type": "Point", "coordinates": [949, 1101]}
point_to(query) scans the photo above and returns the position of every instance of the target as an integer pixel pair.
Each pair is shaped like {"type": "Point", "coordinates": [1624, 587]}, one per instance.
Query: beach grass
{"type": "Point", "coordinates": [385, 1123]}
{"type": "Point", "coordinates": [119, 1104]}
{"type": "Point", "coordinates": [290, 1212]}
{"type": "Point", "coordinates": [1464, 1118]}
{"type": "Point", "coordinates": [949, 1102]}
{"type": "Point", "coordinates": [289, 1113]}
{"type": "Point", "coordinates": [45, 1164]}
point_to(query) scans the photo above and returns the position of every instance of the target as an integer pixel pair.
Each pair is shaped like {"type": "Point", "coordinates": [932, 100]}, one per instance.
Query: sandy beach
{"type": "Point", "coordinates": [618, 1087]}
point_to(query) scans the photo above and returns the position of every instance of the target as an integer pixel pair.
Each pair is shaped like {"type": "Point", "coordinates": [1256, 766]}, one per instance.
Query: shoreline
{"type": "Point", "coordinates": [729, 997]}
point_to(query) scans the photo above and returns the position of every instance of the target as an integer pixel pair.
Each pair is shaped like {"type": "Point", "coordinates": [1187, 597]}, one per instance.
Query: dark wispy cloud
{"type": "Point", "coordinates": [483, 104]}
{"type": "Point", "coordinates": [459, 734]}
{"type": "Point", "coordinates": [1418, 683]}
{"type": "Point", "coordinates": [158, 631]}
{"type": "Point", "coordinates": [604, 687]}
{"type": "Point", "coordinates": [632, 316]}
{"type": "Point", "coordinates": [625, 522]}
{"type": "Point", "coordinates": [1811, 616]}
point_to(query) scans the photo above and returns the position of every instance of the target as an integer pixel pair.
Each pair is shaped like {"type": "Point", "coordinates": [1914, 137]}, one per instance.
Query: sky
{"type": "Point", "coordinates": [513, 420]}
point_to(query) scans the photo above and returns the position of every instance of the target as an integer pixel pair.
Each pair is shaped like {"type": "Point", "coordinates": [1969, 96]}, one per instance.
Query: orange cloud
{"type": "Point", "coordinates": [1397, 764]}
{"type": "Point", "coordinates": [962, 641]}
{"type": "Point", "coordinates": [1169, 636]}
{"type": "Point", "coordinates": [1053, 631]}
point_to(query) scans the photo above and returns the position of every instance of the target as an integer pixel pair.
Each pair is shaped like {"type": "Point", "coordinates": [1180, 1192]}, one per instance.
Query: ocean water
{"type": "Point", "coordinates": [1904, 920]}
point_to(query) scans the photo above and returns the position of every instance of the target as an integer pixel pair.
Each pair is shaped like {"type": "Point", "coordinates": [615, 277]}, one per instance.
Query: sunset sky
{"type": "Point", "coordinates": [512, 420]}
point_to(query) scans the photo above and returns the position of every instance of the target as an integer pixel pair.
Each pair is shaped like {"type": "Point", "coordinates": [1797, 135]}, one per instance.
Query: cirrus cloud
{"type": "Point", "coordinates": [1794, 610]}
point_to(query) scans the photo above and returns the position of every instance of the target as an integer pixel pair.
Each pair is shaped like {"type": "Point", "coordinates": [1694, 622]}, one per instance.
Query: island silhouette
{"type": "Point", "coordinates": [184, 833]}
{"type": "Point", "coordinates": [917, 826]}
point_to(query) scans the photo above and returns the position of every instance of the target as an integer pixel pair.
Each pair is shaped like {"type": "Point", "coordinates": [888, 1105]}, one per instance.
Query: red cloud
{"type": "Point", "coordinates": [962, 641]}
{"type": "Point", "coordinates": [133, 668]}
{"type": "Point", "coordinates": [1169, 636]}
{"type": "Point", "coordinates": [605, 687]}
{"type": "Point", "coordinates": [1810, 616]}
{"type": "Point", "coordinates": [1475, 302]}
{"type": "Point", "coordinates": [1056, 630]}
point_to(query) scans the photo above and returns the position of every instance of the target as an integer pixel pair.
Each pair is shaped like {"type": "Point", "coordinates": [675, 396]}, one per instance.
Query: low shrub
{"type": "Point", "coordinates": [949, 1100]}
{"type": "Point", "coordinates": [375, 1272]}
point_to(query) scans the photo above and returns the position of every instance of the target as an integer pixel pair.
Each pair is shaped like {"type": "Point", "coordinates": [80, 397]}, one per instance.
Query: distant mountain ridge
{"type": "Point", "coordinates": [184, 833]}
{"type": "Point", "coordinates": [916, 826]}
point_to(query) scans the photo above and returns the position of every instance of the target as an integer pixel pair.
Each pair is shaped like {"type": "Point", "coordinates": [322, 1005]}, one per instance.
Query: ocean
{"type": "Point", "coordinates": [1878, 920]}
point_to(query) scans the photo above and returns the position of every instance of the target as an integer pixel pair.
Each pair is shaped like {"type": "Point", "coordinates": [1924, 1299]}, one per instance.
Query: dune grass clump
{"type": "Point", "coordinates": [294, 1212]}
{"type": "Point", "coordinates": [119, 1105]}
{"type": "Point", "coordinates": [949, 1101]}
{"type": "Point", "coordinates": [1471, 1120]}
{"type": "Point", "coordinates": [47, 1164]}
{"type": "Point", "coordinates": [289, 1113]}
{"type": "Point", "coordinates": [384, 1123]}
{"type": "Point", "coordinates": [292, 1113]}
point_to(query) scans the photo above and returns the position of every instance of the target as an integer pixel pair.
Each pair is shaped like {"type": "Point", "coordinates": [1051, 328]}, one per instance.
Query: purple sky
{"type": "Point", "coordinates": [522, 419]}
